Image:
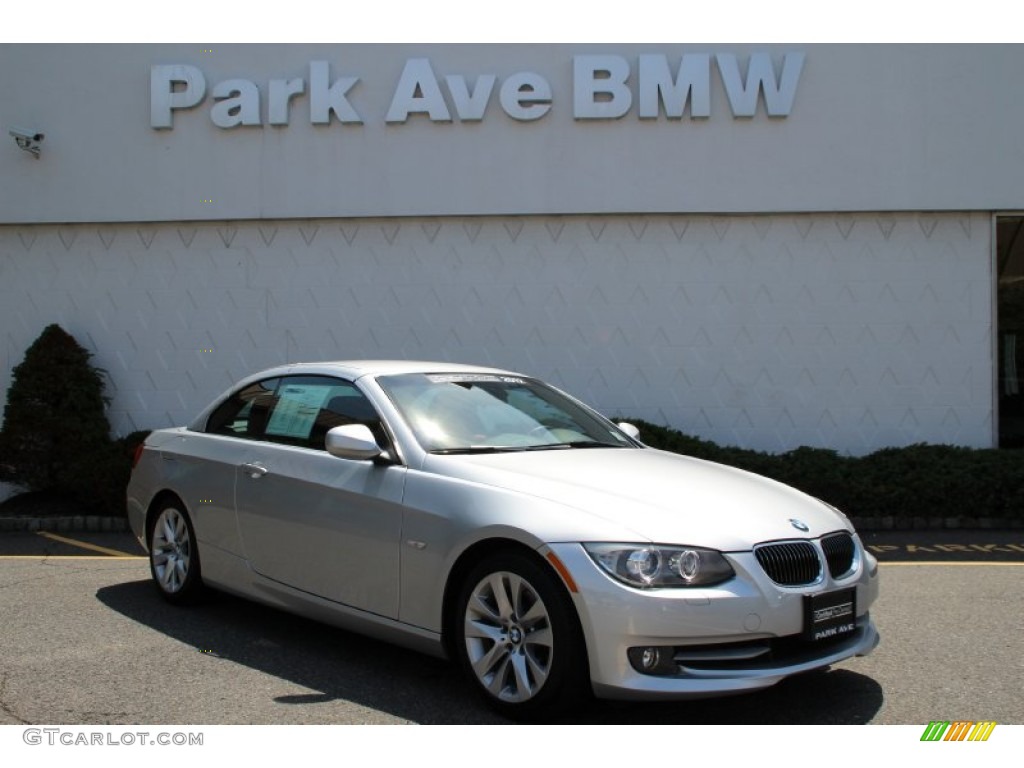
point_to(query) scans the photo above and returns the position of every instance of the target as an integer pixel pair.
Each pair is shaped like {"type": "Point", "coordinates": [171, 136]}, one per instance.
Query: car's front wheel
{"type": "Point", "coordinates": [517, 638]}
{"type": "Point", "coordinates": [173, 557]}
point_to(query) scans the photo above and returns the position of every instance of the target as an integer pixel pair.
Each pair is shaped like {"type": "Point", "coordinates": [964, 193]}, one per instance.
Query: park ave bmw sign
{"type": "Point", "coordinates": [604, 87]}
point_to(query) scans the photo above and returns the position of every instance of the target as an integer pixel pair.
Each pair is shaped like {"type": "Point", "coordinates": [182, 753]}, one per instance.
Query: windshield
{"type": "Point", "coordinates": [482, 413]}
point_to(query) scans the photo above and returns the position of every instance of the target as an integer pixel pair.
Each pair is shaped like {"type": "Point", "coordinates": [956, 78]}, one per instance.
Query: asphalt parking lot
{"type": "Point", "coordinates": [87, 640]}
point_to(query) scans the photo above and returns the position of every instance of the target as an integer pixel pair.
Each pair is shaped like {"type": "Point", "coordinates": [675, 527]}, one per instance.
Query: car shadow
{"type": "Point", "coordinates": [338, 665]}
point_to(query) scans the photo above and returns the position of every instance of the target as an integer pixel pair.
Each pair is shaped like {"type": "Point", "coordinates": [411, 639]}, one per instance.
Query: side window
{"type": "Point", "coordinates": [308, 406]}
{"type": "Point", "coordinates": [244, 414]}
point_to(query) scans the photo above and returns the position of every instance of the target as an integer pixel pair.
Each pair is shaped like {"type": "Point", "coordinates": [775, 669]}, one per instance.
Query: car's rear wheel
{"type": "Point", "coordinates": [173, 557]}
{"type": "Point", "coordinates": [518, 638]}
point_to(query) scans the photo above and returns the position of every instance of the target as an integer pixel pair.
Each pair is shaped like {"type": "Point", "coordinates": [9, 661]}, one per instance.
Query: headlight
{"type": "Point", "coordinates": [654, 565]}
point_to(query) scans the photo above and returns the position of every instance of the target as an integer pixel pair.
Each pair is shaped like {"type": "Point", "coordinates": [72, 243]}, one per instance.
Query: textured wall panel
{"type": "Point", "coordinates": [848, 331]}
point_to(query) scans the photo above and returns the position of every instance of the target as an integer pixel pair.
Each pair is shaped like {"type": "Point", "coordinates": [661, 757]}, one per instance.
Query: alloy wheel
{"type": "Point", "coordinates": [171, 551]}
{"type": "Point", "coordinates": [508, 636]}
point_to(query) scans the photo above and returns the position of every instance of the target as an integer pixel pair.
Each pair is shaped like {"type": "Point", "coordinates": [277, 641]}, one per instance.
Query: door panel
{"type": "Point", "coordinates": [321, 524]}
{"type": "Point", "coordinates": [315, 522]}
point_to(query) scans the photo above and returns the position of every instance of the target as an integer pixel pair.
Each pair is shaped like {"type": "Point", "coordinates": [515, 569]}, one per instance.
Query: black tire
{"type": "Point", "coordinates": [173, 554]}
{"type": "Point", "coordinates": [517, 637]}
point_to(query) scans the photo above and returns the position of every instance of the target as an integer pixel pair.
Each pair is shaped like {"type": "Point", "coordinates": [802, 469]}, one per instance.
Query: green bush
{"type": "Point", "coordinates": [55, 435]}
{"type": "Point", "coordinates": [919, 481]}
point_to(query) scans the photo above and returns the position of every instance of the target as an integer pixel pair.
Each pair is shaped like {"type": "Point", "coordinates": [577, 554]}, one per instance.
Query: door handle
{"type": "Point", "coordinates": [254, 469]}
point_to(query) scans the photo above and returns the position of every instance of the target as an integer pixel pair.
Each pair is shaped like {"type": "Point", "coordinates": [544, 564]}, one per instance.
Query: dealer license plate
{"type": "Point", "coordinates": [830, 615]}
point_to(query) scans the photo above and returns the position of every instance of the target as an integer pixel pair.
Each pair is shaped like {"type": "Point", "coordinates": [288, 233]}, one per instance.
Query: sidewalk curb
{"type": "Point", "coordinates": [67, 524]}
{"type": "Point", "coordinates": [935, 523]}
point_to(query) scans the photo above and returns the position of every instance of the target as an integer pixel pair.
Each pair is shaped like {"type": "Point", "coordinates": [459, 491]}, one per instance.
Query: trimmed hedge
{"type": "Point", "coordinates": [919, 481]}
{"type": "Point", "coordinates": [55, 436]}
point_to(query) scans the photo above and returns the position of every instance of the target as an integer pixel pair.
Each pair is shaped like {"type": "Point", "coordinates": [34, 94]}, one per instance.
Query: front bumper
{"type": "Point", "coordinates": [738, 636]}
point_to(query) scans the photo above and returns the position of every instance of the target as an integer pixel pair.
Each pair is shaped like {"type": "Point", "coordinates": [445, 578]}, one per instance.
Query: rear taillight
{"type": "Point", "coordinates": [138, 454]}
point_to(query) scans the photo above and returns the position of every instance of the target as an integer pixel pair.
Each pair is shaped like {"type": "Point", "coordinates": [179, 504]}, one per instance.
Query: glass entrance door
{"type": "Point", "coordinates": [1010, 329]}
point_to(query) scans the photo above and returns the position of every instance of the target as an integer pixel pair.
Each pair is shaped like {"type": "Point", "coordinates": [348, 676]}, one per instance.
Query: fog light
{"type": "Point", "coordinates": [649, 658]}
{"type": "Point", "coordinates": [653, 660]}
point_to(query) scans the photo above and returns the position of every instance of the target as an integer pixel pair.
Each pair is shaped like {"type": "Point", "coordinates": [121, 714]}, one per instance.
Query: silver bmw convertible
{"type": "Point", "coordinates": [485, 516]}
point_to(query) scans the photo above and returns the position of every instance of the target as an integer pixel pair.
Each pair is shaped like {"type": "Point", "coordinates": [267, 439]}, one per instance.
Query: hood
{"type": "Point", "coordinates": [664, 497]}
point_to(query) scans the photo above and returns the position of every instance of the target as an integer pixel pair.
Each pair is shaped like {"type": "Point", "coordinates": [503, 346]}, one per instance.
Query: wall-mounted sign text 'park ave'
{"type": "Point", "coordinates": [604, 87]}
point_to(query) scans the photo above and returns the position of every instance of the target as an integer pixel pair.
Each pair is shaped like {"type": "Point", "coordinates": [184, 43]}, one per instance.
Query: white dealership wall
{"type": "Point", "coordinates": [821, 277]}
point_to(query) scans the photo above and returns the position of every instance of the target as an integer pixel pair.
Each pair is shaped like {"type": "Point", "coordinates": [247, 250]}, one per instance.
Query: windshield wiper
{"type": "Point", "coordinates": [573, 444]}
{"type": "Point", "coordinates": [472, 449]}
{"type": "Point", "coordinates": [478, 449]}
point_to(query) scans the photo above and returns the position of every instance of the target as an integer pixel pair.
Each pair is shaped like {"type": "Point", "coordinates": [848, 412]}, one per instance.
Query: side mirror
{"type": "Point", "coordinates": [629, 429]}
{"type": "Point", "coordinates": [352, 441]}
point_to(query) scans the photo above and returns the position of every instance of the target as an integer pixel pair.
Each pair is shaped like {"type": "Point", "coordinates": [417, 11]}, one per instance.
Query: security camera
{"type": "Point", "coordinates": [18, 133]}
{"type": "Point", "coordinates": [27, 140]}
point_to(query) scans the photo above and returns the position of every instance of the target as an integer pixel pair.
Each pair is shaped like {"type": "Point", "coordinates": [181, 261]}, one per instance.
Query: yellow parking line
{"type": "Point", "coordinates": [70, 557]}
{"type": "Point", "coordinates": [84, 545]}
